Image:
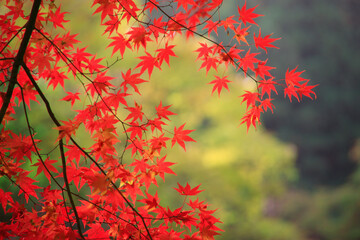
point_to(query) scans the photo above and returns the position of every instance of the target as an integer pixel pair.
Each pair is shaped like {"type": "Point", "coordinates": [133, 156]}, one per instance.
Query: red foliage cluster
{"type": "Point", "coordinates": [117, 203]}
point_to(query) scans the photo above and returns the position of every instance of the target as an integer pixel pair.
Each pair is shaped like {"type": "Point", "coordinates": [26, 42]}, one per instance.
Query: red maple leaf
{"type": "Point", "coordinates": [247, 15]}
{"type": "Point", "coordinates": [67, 129]}
{"type": "Point", "coordinates": [187, 190]}
{"type": "Point", "coordinates": [139, 36]}
{"type": "Point", "coordinates": [181, 136]}
{"type": "Point", "coordinates": [132, 80]}
{"type": "Point", "coordinates": [241, 33]}
{"type": "Point", "coordinates": [292, 78]}
{"type": "Point", "coordinates": [267, 86]}
{"type": "Point", "coordinates": [248, 61]}
{"type": "Point", "coordinates": [212, 27]}
{"type": "Point", "coordinates": [162, 167]}
{"type": "Point", "coordinates": [119, 44]}
{"type": "Point", "coordinates": [210, 62]}
{"type": "Point", "coordinates": [267, 104]}
{"type": "Point", "coordinates": [163, 112]}
{"type": "Point", "coordinates": [250, 98]}
{"type": "Point", "coordinates": [46, 167]}
{"type": "Point", "coordinates": [57, 18]}
{"type": "Point", "coordinates": [262, 70]}
{"type": "Point", "coordinates": [135, 112]}
{"type": "Point", "coordinates": [71, 97]}
{"type": "Point", "coordinates": [252, 116]}
{"type": "Point", "coordinates": [219, 83]}
{"type": "Point", "coordinates": [106, 8]}
{"type": "Point", "coordinates": [26, 184]}
{"type": "Point", "coordinates": [290, 91]}
{"type": "Point", "coordinates": [306, 91]}
{"type": "Point", "coordinates": [228, 23]}
{"type": "Point", "coordinates": [148, 63]}
{"type": "Point", "coordinates": [204, 51]}
{"type": "Point", "coordinates": [165, 53]}
{"type": "Point", "coordinates": [264, 42]}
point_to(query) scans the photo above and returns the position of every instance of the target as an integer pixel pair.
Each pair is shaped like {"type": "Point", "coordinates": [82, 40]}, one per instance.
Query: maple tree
{"type": "Point", "coordinates": [111, 196]}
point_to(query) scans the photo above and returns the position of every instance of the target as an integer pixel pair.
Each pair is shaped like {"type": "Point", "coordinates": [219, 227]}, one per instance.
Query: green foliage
{"type": "Point", "coordinates": [328, 213]}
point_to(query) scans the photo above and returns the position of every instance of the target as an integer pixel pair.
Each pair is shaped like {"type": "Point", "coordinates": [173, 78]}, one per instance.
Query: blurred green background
{"type": "Point", "coordinates": [297, 175]}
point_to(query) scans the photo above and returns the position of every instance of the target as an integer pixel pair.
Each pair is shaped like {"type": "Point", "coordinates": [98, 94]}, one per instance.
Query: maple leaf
{"type": "Point", "coordinates": [139, 36]}
{"type": "Point", "coordinates": [135, 112]}
{"type": "Point", "coordinates": [96, 231]}
{"type": "Point", "coordinates": [228, 23]}
{"type": "Point", "coordinates": [219, 83]}
{"type": "Point", "coordinates": [136, 130]}
{"type": "Point", "coordinates": [162, 167]}
{"type": "Point", "coordinates": [151, 202]}
{"type": "Point", "coordinates": [93, 64]}
{"type": "Point", "coordinates": [163, 112]}
{"type": "Point", "coordinates": [267, 104]}
{"type": "Point", "coordinates": [27, 186]}
{"type": "Point", "coordinates": [65, 41]}
{"type": "Point", "coordinates": [80, 57]}
{"type": "Point", "coordinates": [157, 143]}
{"type": "Point", "coordinates": [252, 116]}
{"type": "Point", "coordinates": [250, 98]}
{"type": "Point", "coordinates": [209, 62]}
{"type": "Point", "coordinates": [247, 15]}
{"type": "Point", "coordinates": [98, 182]}
{"type": "Point", "coordinates": [204, 51]}
{"type": "Point", "coordinates": [148, 63]}
{"type": "Point", "coordinates": [305, 90]}
{"type": "Point", "coordinates": [42, 61]}
{"type": "Point", "coordinates": [292, 78]}
{"type": "Point", "coordinates": [207, 232]}
{"type": "Point", "coordinates": [5, 200]}
{"type": "Point", "coordinates": [57, 18]}
{"type": "Point", "coordinates": [187, 190]}
{"type": "Point", "coordinates": [71, 97]}
{"type": "Point", "coordinates": [291, 91]}
{"type": "Point", "coordinates": [181, 136]}
{"type": "Point", "coordinates": [46, 167]}
{"type": "Point", "coordinates": [230, 56]}
{"type": "Point", "coordinates": [54, 76]}
{"type": "Point", "coordinates": [112, 25]}
{"type": "Point", "coordinates": [119, 44]}
{"type": "Point", "coordinates": [155, 124]}
{"type": "Point", "coordinates": [140, 165]}
{"type": "Point", "coordinates": [165, 53]}
{"type": "Point", "coordinates": [264, 42]}
{"type": "Point", "coordinates": [212, 27]}
{"type": "Point", "coordinates": [100, 84]}
{"type": "Point", "coordinates": [248, 61]}
{"type": "Point", "coordinates": [241, 33]}
{"type": "Point", "coordinates": [106, 8]}
{"type": "Point", "coordinates": [262, 70]}
{"type": "Point", "coordinates": [67, 129]}
{"type": "Point", "coordinates": [184, 3]}
{"type": "Point", "coordinates": [132, 80]}
{"type": "Point", "coordinates": [73, 153]}
{"type": "Point", "coordinates": [267, 86]}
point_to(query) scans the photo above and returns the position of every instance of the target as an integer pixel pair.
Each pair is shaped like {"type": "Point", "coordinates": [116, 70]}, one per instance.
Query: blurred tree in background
{"type": "Point", "coordinates": [324, 36]}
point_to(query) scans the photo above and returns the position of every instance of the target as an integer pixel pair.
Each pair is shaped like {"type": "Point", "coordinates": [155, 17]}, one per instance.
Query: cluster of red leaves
{"type": "Point", "coordinates": [118, 202]}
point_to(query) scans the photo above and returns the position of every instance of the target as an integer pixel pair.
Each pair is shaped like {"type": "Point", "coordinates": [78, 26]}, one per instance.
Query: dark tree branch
{"type": "Point", "coordinates": [61, 145]}
{"type": "Point", "coordinates": [30, 26]}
